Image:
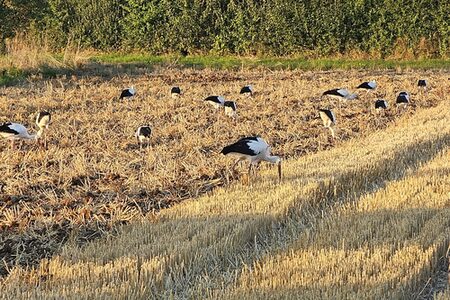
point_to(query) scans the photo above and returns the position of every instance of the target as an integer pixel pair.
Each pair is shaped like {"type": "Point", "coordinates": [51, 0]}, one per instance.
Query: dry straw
{"type": "Point", "coordinates": [371, 210]}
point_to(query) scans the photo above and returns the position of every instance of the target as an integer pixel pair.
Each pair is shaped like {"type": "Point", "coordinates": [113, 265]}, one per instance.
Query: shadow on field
{"type": "Point", "coordinates": [89, 69]}
{"type": "Point", "coordinates": [368, 253]}
{"type": "Point", "coordinates": [201, 253]}
{"type": "Point", "coordinates": [196, 248]}
{"type": "Point", "coordinates": [374, 175]}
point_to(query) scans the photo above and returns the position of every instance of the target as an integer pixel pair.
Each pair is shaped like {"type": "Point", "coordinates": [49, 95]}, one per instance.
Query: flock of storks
{"type": "Point", "coordinates": [253, 149]}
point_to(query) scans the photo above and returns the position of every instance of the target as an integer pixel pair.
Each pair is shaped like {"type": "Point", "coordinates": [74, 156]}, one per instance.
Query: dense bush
{"type": "Point", "coordinates": [280, 27]}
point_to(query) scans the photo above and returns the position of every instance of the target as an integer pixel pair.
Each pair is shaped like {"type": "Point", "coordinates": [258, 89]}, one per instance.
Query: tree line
{"type": "Point", "coordinates": [244, 27]}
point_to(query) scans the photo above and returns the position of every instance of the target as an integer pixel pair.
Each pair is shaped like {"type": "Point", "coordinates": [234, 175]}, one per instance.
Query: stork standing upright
{"type": "Point", "coordinates": [402, 100]}
{"type": "Point", "coordinates": [16, 131]}
{"type": "Point", "coordinates": [143, 134]}
{"type": "Point", "coordinates": [230, 109]}
{"type": "Point", "coordinates": [341, 94]}
{"type": "Point", "coordinates": [253, 149]}
{"type": "Point", "coordinates": [247, 91]}
{"type": "Point", "coordinates": [328, 119]}
{"type": "Point", "coordinates": [422, 84]}
{"type": "Point", "coordinates": [175, 92]}
{"type": "Point", "coordinates": [127, 93]}
{"type": "Point", "coordinates": [43, 119]}
{"type": "Point", "coordinates": [381, 104]}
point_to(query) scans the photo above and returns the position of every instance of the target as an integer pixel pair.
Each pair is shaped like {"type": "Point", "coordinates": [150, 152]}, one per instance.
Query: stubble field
{"type": "Point", "coordinates": [93, 177]}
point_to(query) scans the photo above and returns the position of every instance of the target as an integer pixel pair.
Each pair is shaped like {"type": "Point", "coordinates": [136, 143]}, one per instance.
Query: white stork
{"type": "Point", "coordinates": [16, 131]}
{"type": "Point", "coordinates": [422, 84]}
{"type": "Point", "coordinates": [381, 104]}
{"type": "Point", "coordinates": [175, 92]}
{"type": "Point", "coordinates": [247, 90]}
{"type": "Point", "coordinates": [216, 101]}
{"type": "Point", "coordinates": [328, 119]}
{"type": "Point", "coordinates": [402, 100]}
{"type": "Point", "coordinates": [341, 94]}
{"type": "Point", "coordinates": [143, 134]}
{"type": "Point", "coordinates": [368, 85]}
{"type": "Point", "coordinates": [230, 108]}
{"type": "Point", "coordinates": [128, 93]}
{"type": "Point", "coordinates": [253, 149]}
{"type": "Point", "coordinates": [43, 119]}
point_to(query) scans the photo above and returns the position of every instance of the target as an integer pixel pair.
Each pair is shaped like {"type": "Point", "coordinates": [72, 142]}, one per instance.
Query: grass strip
{"type": "Point", "coordinates": [286, 63]}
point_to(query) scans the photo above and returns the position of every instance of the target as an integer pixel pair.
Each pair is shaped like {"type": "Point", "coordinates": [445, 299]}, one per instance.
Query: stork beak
{"type": "Point", "coordinates": [279, 171]}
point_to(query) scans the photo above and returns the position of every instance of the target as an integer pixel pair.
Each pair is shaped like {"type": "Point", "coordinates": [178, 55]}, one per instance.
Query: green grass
{"type": "Point", "coordinates": [11, 76]}
{"type": "Point", "coordinates": [232, 62]}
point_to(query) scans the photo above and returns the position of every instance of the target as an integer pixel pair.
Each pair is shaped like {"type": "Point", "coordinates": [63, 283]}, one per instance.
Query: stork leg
{"type": "Point", "coordinates": [332, 131]}
{"type": "Point", "coordinates": [12, 145]}
{"type": "Point", "coordinates": [42, 143]}
{"type": "Point", "coordinates": [249, 172]}
{"type": "Point", "coordinates": [235, 163]}
{"type": "Point", "coordinates": [401, 108]}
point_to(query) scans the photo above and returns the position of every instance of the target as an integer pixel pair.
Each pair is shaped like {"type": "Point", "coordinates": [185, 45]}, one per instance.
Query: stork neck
{"type": "Point", "coordinates": [352, 96]}
{"type": "Point", "coordinates": [273, 159]}
{"type": "Point", "coordinates": [39, 133]}
{"type": "Point", "coordinates": [32, 137]}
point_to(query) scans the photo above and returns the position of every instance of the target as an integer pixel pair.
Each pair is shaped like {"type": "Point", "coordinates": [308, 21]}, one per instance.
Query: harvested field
{"type": "Point", "coordinates": [93, 177]}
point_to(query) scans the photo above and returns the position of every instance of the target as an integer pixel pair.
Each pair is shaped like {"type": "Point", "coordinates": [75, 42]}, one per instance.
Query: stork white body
{"type": "Point", "coordinates": [16, 131]}
{"type": "Point", "coordinates": [215, 101]}
{"type": "Point", "coordinates": [328, 119]}
{"type": "Point", "coordinates": [254, 150]}
{"type": "Point", "coordinates": [341, 94]}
